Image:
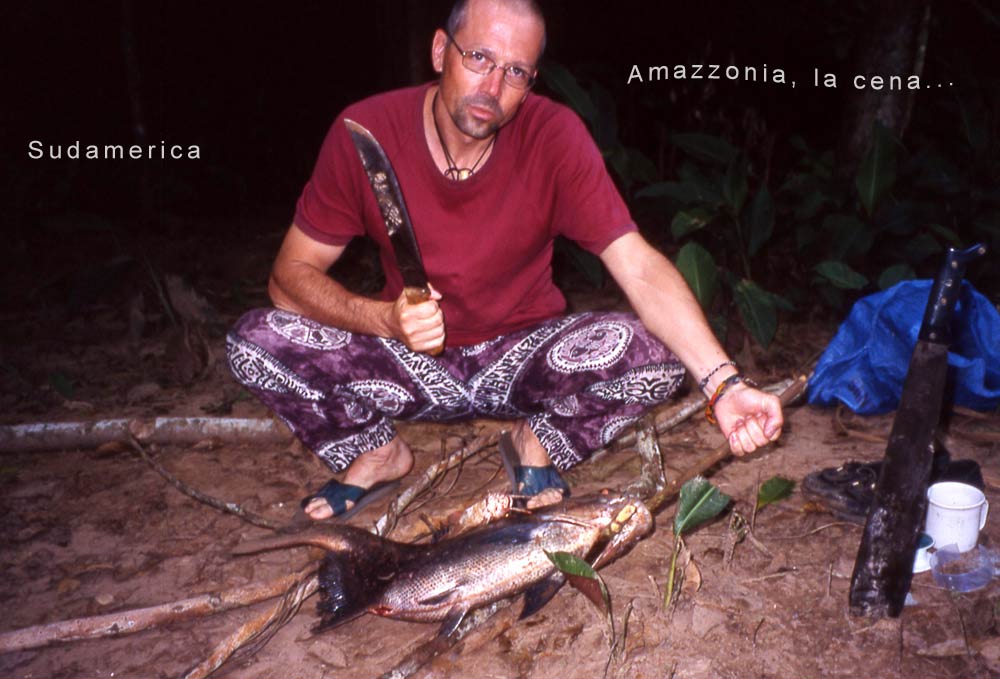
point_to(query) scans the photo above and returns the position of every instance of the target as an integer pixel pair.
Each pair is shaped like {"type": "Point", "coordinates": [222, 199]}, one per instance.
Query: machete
{"type": "Point", "coordinates": [390, 201]}
{"type": "Point", "coordinates": [884, 565]}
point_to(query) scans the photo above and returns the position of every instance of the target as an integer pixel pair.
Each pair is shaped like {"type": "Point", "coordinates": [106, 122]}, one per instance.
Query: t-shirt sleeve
{"type": "Point", "coordinates": [330, 207]}
{"type": "Point", "coordinates": [589, 209]}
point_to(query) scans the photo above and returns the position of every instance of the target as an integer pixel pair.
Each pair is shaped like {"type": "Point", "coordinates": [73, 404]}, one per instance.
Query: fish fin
{"type": "Point", "coordinates": [451, 622]}
{"type": "Point", "coordinates": [540, 593]}
{"type": "Point", "coordinates": [437, 599]}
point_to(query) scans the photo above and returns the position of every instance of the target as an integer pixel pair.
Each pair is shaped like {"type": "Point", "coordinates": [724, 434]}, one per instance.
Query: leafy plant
{"type": "Point", "coordinates": [713, 203]}
{"type": "Point", "coordinates": [700, 501]}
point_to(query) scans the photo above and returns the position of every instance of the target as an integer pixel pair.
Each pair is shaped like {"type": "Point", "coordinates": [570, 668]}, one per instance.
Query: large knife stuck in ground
{"type": "Point", "coordinates": [884, 565]}
{"type": "Point", "coordinates": [393, 208]}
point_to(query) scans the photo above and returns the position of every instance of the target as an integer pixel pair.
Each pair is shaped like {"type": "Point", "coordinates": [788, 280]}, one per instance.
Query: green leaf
{"type": "Point", "coordinates": [841, 275]}
{"type": "Point", "coordinates": [947, 234]}
{"type": "Point", "coordinates": [583, 577]}
{"type": "Point", "coordinates": [761, 221]}
{"type": "Point", "coordinates": [700, 502]}
{"type": "Point", "coordinates": [849, 236]}
{"type": "Point", "coordinates": [810, 204]}
{"type": "Point", "coordinates": [683, 192]}
{"type": "Point", "coordinates": [915, 250]}
{"type": "Point", "coordinates": [571, 564]}
{"type": "Point", "coordinates": [878, 168]}
{"type": "Point", "coordinates": [605, 128]}
{"type": "Point", "coordinates": [774, 489]}
{"type": "Point", "coordinates": [586, 263]}
{"type": "Point", "coordinates": [757, 310]}
{"type": "Point", "coordinates": [566, 87]}
{"type": "Point", "coordinates": [62, 384]}
{"type": "Point", "coordinates": [698, 268]}
{"type": "Point", "coordinates": [705, 147]}
{"type": "Point", "coordinates": [894, 274]}
{"type": "Point", "coordinates": [734, 186]}
{"type": "Point", "coordinates": [687, 222]}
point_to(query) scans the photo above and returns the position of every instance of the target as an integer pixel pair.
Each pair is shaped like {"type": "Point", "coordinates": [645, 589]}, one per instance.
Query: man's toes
{"type": "Point", "coordinates": [319, 509]}
{"type": "Point", "coordinates": [549, 496]}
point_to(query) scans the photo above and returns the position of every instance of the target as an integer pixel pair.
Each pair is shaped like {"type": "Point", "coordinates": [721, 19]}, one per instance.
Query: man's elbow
{"type": "Point", "coordinates": [279, 298]}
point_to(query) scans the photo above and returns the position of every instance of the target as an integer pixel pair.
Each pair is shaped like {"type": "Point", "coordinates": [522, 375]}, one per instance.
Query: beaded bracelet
{"type": "Point", "coordinates": [703, 382]}
{"type": "Point", "coordinates": [722, 389]}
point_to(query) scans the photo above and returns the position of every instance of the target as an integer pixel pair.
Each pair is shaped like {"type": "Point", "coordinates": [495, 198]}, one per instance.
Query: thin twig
{"type": "Point", "coordinates": [813, 531]}
{"type": "Point", "coordinates": [221, 505]}
{"type": "Point", "coordinates": [388, 520]}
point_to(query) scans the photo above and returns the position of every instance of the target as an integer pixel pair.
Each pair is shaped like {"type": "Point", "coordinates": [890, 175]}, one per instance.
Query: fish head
{"type": "Point", "coordinates": [606, 509]}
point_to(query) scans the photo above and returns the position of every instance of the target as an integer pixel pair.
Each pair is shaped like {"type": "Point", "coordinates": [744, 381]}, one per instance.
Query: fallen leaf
{"type": "Point", "coordinates": [692, 577]}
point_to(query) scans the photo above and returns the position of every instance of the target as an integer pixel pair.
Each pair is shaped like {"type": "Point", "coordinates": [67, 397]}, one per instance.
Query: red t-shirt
{"type": "Point", "coordinates": [486, 242]}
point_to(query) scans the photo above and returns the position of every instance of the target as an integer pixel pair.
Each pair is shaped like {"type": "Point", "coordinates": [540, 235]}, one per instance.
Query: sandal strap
{"type": "Point", "coordinates": [337, 495]}
{"type": "Point", "coordinates": [533, 480]}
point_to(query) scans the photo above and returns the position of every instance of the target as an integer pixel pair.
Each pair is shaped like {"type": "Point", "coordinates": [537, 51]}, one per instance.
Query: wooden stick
{"type": "Point", "coordinates": [221, 505]}
{"type": "Point", "coordinates": [427, 651]}
{"type": "Point", "coordinates": [39, 436]}
{"type": "Point", "coordinates": [258, 631]}
{"type": "Point", "coordinates": [136, 620]}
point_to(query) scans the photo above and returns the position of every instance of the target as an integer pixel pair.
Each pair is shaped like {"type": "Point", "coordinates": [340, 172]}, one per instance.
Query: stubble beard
{"type": "Point", "coordinates": [469, 125]}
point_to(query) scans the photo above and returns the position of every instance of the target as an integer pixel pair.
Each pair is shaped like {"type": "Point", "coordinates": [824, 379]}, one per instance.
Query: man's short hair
{"type": "Point", "coordinates": [460, 9]}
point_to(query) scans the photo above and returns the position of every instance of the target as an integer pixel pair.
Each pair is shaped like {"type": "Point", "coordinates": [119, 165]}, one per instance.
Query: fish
{"type": "Point", "coordinates": [365, 573]}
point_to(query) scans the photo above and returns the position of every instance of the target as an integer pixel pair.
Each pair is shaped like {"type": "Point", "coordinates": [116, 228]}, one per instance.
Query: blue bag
{"type": "Point", "coordinates": [866, 362]}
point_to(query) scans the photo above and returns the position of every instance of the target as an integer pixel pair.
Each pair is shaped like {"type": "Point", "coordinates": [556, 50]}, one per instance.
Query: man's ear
{"type": "Point", "coordinates": [438, 47]}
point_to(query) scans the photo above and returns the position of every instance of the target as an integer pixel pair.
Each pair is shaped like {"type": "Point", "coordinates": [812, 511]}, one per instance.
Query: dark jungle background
{"type": "Point", "coordinates": [776, 202]}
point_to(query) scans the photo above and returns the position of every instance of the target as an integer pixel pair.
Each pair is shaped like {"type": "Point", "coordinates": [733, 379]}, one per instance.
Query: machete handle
{"type": "Point", "coordinates": [936, 326]}
{"type": "Point", "coordinates": [419, 295]}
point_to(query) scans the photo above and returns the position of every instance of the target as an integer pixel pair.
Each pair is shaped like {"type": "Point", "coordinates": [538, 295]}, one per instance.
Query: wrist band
{"type": "Point", "coordinates": [721, 390]}
{"type": "Point", "coordinates": [703, 382]}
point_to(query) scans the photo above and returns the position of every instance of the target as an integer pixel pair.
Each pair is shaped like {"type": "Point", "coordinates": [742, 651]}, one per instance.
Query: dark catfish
{"type": "Point", "coordinates": [443, 581]}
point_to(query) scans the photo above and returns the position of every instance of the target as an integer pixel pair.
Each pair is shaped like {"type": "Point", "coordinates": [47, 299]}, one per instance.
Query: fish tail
{"type": "Point", "coordinates": [330, 538]}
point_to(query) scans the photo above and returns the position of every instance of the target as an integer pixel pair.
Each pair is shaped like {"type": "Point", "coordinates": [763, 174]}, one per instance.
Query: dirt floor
{"type": "Point", "coordinates": [88, 532]}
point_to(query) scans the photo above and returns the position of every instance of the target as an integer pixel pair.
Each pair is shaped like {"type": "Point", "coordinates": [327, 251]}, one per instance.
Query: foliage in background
{"type": "Point", "coordinates": [741, 233]}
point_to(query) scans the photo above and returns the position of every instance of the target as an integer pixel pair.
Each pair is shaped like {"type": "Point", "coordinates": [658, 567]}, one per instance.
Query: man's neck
{"type": "Point", "coordinates": [465, 151]}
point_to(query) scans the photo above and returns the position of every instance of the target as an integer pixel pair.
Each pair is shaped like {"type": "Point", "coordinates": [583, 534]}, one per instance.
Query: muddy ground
{"type": "Point", "coordinates": [89, 532]}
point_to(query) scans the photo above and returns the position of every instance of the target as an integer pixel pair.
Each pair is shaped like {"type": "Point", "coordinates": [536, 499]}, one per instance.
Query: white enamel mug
{"type": "Point", "coordinates": [956, 512]}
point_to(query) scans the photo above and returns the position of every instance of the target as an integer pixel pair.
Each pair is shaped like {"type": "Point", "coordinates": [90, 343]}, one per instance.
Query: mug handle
{"type": "Point", "coordinates": [983, 512]}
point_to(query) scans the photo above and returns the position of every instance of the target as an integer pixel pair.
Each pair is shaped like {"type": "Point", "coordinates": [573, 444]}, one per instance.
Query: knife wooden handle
{"type": "Point", "coordinates": [418, 295]}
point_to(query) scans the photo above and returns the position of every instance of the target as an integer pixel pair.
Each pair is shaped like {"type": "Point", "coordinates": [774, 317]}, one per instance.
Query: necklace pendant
{"type": "Point", "coordinates": [458, 174]}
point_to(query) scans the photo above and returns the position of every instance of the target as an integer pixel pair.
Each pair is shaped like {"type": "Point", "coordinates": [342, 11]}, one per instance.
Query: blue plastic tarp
{"type": "Point", "coordinates": [865, 364]}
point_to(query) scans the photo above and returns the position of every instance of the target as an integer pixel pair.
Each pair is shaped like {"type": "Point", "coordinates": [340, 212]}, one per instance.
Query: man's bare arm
{"type": "Point", "coordinates": [667, 307]}
{"type": "Point", "coordinates": [299, 283]}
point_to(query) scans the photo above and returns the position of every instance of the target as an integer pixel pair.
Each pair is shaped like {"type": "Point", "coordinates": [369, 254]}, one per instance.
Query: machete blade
{"type": "Point", "coordinates": [390, 201]}
{"type": "Point", "coordinates": [884, 565]}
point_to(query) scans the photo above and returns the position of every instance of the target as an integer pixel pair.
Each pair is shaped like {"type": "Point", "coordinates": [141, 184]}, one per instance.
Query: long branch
{"type": "Point", "coordinates": [136, 620]}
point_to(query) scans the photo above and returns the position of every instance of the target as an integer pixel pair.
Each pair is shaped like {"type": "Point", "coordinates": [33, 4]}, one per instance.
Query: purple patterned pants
{"type": "Point", "coordinates": [578, 380]}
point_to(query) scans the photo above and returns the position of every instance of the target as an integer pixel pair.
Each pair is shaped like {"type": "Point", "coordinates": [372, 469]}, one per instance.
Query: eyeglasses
{"type": "Point", "coordinates": [477, 62]}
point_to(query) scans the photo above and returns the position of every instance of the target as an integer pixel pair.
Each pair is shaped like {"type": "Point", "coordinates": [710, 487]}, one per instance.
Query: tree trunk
{"type": "Point", "coordinates": [139, 129]}
{"type": "Point", "coordinates": [894, 44]}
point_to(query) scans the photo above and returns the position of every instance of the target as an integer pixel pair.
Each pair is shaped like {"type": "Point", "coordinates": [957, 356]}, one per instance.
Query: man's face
{"type": "Point", "coordinates": [480, 104]}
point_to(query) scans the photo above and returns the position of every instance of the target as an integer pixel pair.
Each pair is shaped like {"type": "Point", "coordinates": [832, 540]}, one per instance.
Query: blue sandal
{"type": "Point", "coordinates": [527, 481]}
{"type": "Point", "coordinates": [338, 494]}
